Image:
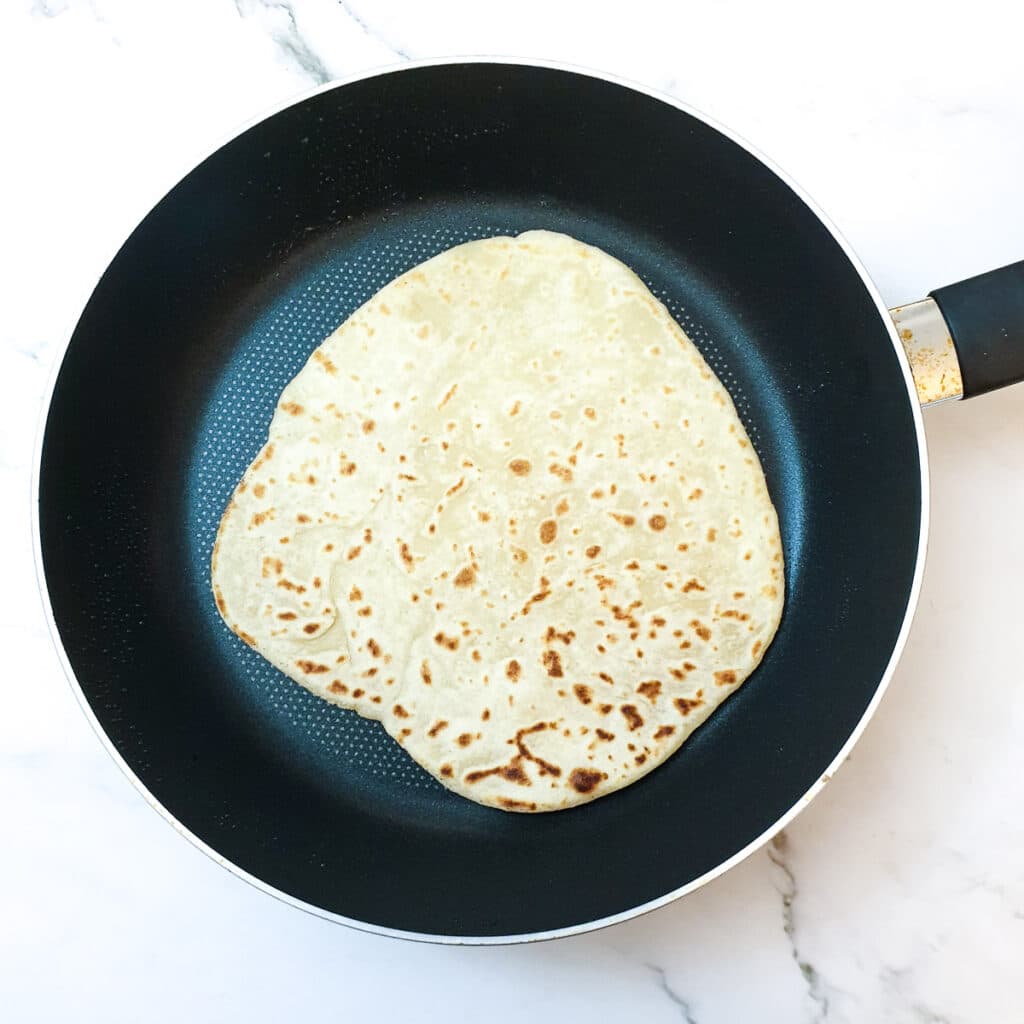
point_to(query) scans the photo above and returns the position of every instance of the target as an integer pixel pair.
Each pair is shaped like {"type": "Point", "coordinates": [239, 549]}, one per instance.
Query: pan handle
{"type": "Point", "coordinates": [967, 338]}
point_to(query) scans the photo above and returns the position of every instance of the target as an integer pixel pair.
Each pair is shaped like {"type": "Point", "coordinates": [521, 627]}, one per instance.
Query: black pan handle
{"type": "Point", "coordinates": [985, 316]}
{"type": "Point", "coordinates": [967, 338]}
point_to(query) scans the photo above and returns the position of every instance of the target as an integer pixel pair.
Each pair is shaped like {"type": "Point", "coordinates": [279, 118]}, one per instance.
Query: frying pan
{"type": "Point", "coordinates": [215, 301]}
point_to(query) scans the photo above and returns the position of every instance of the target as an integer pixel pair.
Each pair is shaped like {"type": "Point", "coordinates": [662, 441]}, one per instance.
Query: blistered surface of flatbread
{"type": "Point", "coordinates": [509, 511]}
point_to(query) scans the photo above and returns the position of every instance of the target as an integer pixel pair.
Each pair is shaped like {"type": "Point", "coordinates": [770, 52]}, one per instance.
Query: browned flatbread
{"type": "Point", "coordinates": [509, 511]}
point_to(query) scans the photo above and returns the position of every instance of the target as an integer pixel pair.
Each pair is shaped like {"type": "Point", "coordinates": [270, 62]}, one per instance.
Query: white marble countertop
{"type": "Point", "coordinates": [899, 894]}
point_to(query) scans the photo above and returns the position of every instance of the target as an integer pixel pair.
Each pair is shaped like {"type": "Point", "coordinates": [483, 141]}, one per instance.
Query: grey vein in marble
{"type": "Point", "coordinates": [372, 32]}
{"type": "Point", "coordinates": [1001, 892]}
{"type": "Point", "coordinates": [899, 982]}
{"type": "Point", "coordinates": [49, 8]}
{"type": "Point", "coordinates": [52, 9]}
{"type": "Point", "coordinates": [33, 352]}
{"type": "Point", "coordinates": [777, 851]}
{"type": "Point", "coordinates": [930, 1016]}
{"type": "Point", "coordinates": [290, 39]}
{"type": "Point", "coordinates": [674, 996]}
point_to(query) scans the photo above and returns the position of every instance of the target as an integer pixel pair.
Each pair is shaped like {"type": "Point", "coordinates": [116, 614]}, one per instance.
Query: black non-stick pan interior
{"type": "Point", "coordinates": [216, 301]}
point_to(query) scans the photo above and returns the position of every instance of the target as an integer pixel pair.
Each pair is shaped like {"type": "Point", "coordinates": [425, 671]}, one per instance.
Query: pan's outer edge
{"type": "Point", "coordinates": [785, 819]}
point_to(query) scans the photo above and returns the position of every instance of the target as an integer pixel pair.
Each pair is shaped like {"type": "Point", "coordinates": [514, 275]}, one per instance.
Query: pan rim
{"type": "Point", "coordinates": [724, 866]}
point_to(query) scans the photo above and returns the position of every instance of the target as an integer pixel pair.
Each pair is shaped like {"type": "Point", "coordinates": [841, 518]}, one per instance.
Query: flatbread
{"type": "Point", "coordinates": [508, 510]}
